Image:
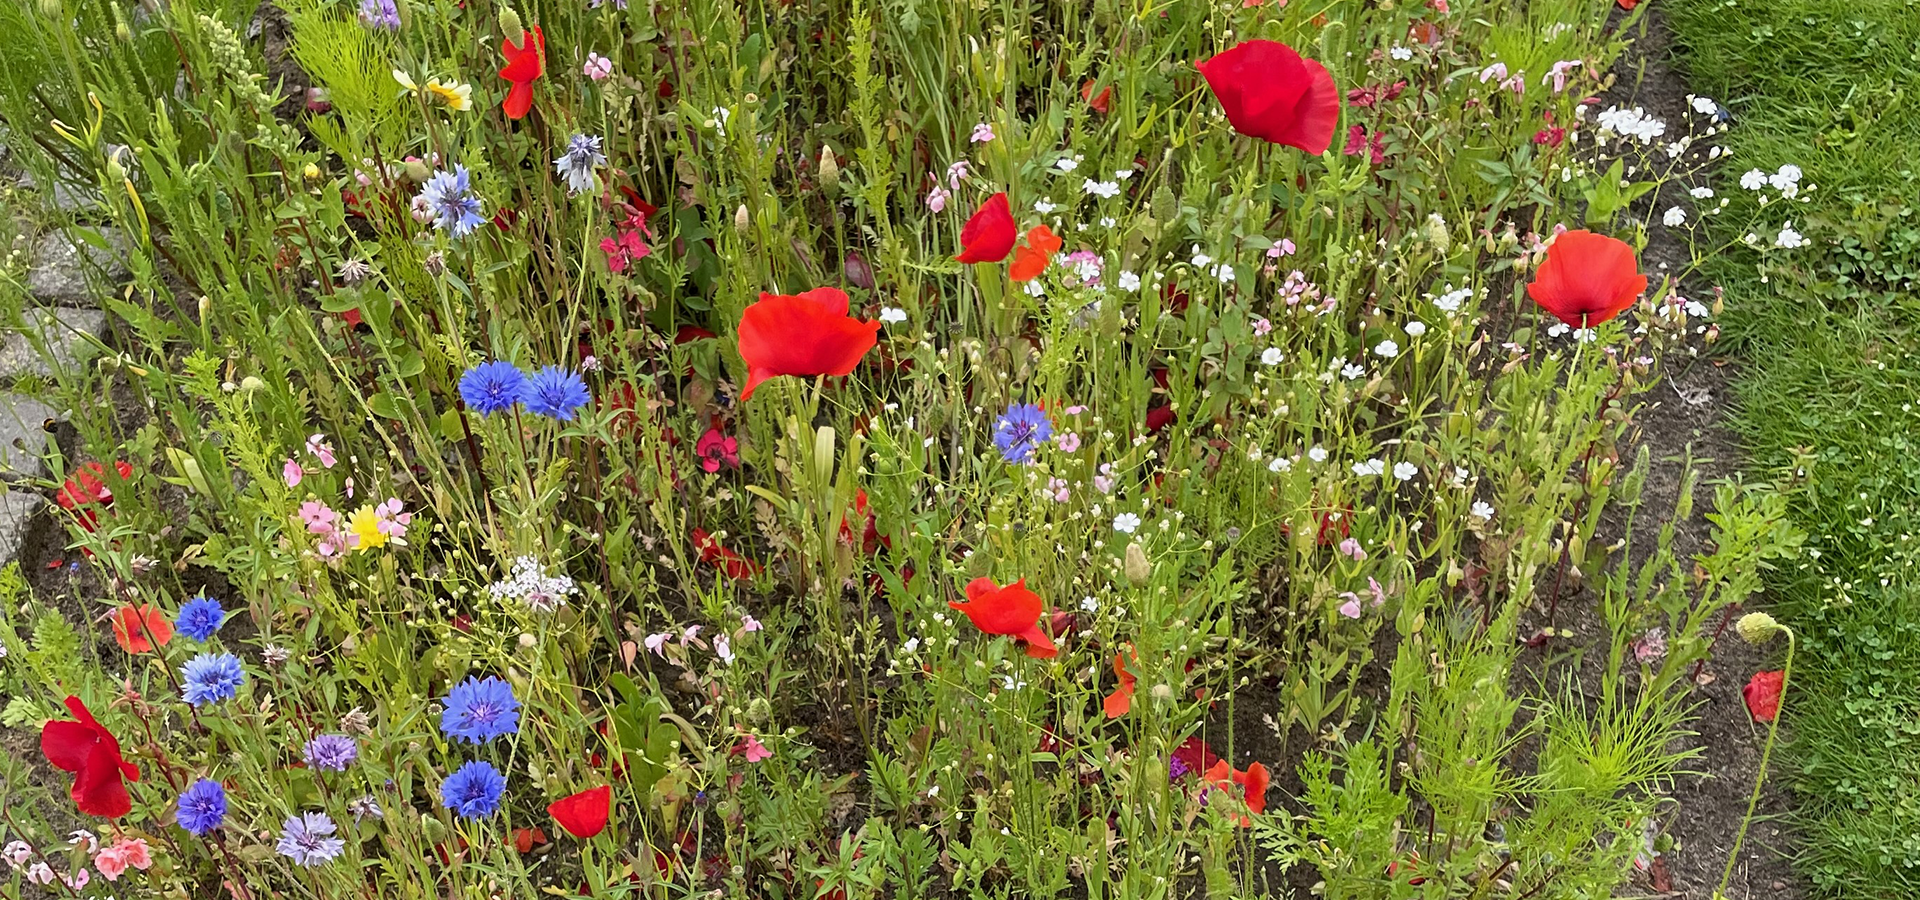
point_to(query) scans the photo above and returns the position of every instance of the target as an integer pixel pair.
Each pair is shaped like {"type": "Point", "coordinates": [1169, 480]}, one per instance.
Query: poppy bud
{"type": "Point", "coordinates": [1137, 568]}
{"type": "Point", "coordinates": [435, 264]}
{"type": "Point", "coordinates": [510, 25]}
{"type": "Point", "coordinates": [759, 712]}
{"type": "Point", "coordinates": [1437, 234]}
{"type": "Point", "coordinates": [829, 170]}
{"type": "Point", "coordinates": [1757, 628]}
{"type": "Point", "coordinates": [417, 171]}
{"type": "Point", "coordinates": [740, 221]}
{"type": "Point", "coordinates": [252, 383]}
{"type": "Point", "coordinates": [50, 8]}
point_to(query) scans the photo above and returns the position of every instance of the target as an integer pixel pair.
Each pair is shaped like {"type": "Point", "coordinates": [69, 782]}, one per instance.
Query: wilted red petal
{"type": "Point", "coordinates": [809, 334]}
{"type": "Point", "coordinates": [93, 755]}
{"type": "Point", "coordinates": [585, 814]}
{"type": "Point", "coordinates": [989, 233]}
{"type": "Point", "coordinates": [1587, 278]}
{"type": "Point", "coordinates": [1763, 695]}
{"type": "Point", "coordinates": [1270, 92]}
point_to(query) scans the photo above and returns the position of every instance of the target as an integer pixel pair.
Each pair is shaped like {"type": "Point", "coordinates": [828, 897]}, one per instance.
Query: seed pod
{"type": "Point", "coordinates": [1137, 568]}
{"type": "Point", "coordinates": [829, 170]}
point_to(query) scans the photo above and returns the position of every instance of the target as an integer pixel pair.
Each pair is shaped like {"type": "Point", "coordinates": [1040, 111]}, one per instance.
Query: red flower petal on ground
{"type": "Point", "coordinates": [1013, 611]}
{"type": "Point", "coordinates": [731, 564]}
{"type": "Point", "coordinates": [989, 233]}
{"type": "Point", "coordinates": [1032, 257]}
{"type": "Point", "coordinates": [1587, 279]}
{"type": "Point", "coordinates": [88, 750]}
{"type": "Point", "coordinates": [807, 334]}
{"type": "Point", "coordinates": [1273, 93]}
{"type": "Point", "coordinates": [139, 629]}
{"type": "Point", "coordinates": [1763, 695]}
{"type": "Point", "coordinates": [585, 814]}
{"type": "Point", "coordinates": [1120, 701]}
{"type": "Point", "coordinates": [526, 61]}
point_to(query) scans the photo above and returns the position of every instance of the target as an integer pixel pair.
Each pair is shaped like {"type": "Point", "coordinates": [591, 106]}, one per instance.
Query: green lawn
{"type": "Point", "coordinates": [1830, 400]}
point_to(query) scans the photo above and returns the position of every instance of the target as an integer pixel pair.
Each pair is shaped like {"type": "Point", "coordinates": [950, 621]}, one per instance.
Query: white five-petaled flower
{"type": "Point", "coordinates": [1374, 466]}
{"type": "Point", "coordinates": [1405, 471]}
{"type": "Point", "coordinates": [1400, 53]}
{"type": "Point", "coordinates": [1482, 510]}
{"type": "Point", "coordinates": [1272, 356]}
{"type": "Point", "coordinates": [1129, 281]}
{"type": "Point", "coordinates": [1674, 217]}
{"type": "Point", "coordinates": [892, 315]}
{"type": "Point", "coordinates": [1386, 349]}
{"type": "Point", "coordinates": [1126, 523]}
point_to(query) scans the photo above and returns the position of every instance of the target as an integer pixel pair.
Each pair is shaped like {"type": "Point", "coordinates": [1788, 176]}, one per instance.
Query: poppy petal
{"type": "Point", "coordinates": [584, 814]}
{"type": "Point", "coordinates": [1762, 694]}
{"type": "Point", "coordinates": [98, 789]}
{"type": "Point", "coordinates": [68, 744]}
{"type": "Point", "coordinates": [989, 233]}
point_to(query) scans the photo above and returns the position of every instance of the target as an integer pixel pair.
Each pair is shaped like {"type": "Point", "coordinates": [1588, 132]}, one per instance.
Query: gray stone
{"type": "Point", "coordinates": [23, 435]}
{"type": "Point", "coordinates": [66, 196]}
{"type": "Point", "coordinates": [58, 274]}
{"type": "Point", "coordinates": [16, 513]}
{"type": "Point", "coordinates": [68, 336]}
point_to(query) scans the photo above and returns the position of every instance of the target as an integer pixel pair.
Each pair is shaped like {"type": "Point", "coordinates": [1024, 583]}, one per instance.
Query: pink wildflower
{"type": "Point", "coordinates": [754, 751]}
{"type": "Point", "coordinates": [321, 449]}
{"type": "Point", "coordinates": [598, 67]}
{"type": "Point", "coordinates": [292, 473]}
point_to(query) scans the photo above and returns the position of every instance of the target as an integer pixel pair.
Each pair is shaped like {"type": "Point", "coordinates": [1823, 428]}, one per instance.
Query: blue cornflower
{"type": "Point", "coordinates": [449, 196]}
{"type": "Point", "coordinates": [577, 164]}
{"type": "Point", "coordinates": [480, 709]}
{"type": "Point", "coordinates": [492, 387]}
{"type": "Point", "coordinates": [212, 676]}
{"type": "Point", "coordinates": [1020, 431]}
{"type": "Point", "coordinates": [380, 14]}
{"type": "Point", "coordinates": [331, 752]}
{"type": "Point", "coordinates": [202, 807]}
{"type": "Point", "coordinates": [308, 839]}
{"type": "Point", "coordinates": [555, 392]}
{"type": "Point", "coordinates": [200, 618]}
{"type": "Point", "coordinates": [473, 791]}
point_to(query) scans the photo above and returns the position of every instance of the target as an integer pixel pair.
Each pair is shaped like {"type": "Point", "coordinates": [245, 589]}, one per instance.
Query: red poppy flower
{"type": "Point", "coordinates": [1100, 103]}
{"type": "Point", "coordinates": [1253, 784]}
{"type": "Point", "coordinates": [93, 755]}
{"type": "Point", "coordinates": [690, 333]}
{"type": "Point", "coordinates": [989, 233]}
{"type": "Point", "coordinates": [1032, 257]}
{"type": "Point", "coordinates": [732, 564]}
{"type": "Point", "coordinates": [526, 61]}
{"type": "Point", "coordinates": [87, 488]}
{"type": "Point", "coordinates": [1160, 417]}
{"type": "Point", "coordinates": [1273, 93]}
{"type": "Point", "coordinates": [808, 334]}
{"type": "Point", "coordinates": [1763, 694]}
{"type": "Point", "coordinates": [1012, 610]}
{"type": "Point", "coordinates": [139, 629]}
{"type": "Point", "coordinates": [1587, 279]}
{"type": "Point", "coordinates": [1120, 701]}
{"type": "Point", "coordinates": [1627, 4]}
{"type": "Point", "coordinates": [584, 815]}
{"type": "Point", "coordinates": [1195, 755]}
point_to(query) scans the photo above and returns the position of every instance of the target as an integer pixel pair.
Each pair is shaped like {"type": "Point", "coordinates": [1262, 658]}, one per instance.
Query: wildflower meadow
{"type": "Point", "coordinates": [877, 448]}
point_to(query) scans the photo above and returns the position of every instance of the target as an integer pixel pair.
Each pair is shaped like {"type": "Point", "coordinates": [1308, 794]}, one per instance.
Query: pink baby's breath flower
{"type": "Point", "coordinates": [1351, 549]}
{"type": "Point", "coordinates": [1069, 442]}
{"type": "Point", "coordinates": [982, 133]}
{"type": "Point", "coordinates": [937, 199]}
{"type": "Point", "coordinates": [658, 643]}
{"type": "Point", "coordinates": [753, 750]}
{"type": "Point", "coordinates": [1281, 247]}
{"type": "Point", "coordinates": [1351, 608]}
{"type": "Point", "coordinates": [391, 521]}
{"type": "Point", "coordinates": [1261, 327]}
{"type": "Point", "coordinates": [292, 473]}
{"type": "Point", "coordinates": [1057, 488]}
{"type": "Point", "coordinates": [598, 67]}
{"type": "Point", "coordinates": [749, 623]}
{"type": "Point", "coordinates": [957, 173]}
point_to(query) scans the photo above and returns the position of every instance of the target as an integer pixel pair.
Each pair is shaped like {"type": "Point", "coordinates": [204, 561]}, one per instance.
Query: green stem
{"type": "Point", "coordinates": [1759, 778]}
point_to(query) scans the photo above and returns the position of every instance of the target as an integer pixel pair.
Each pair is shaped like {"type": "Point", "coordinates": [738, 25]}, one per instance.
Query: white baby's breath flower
{"type": "Point", "coordinates": [1129, 281]}
{"type": "Point", "coordinates": [1126, 523]}
{"type": "Point", "coordinates": [892, 315]}
{"type": "Point", "coordinates": [1482, 510]}
{"type": "Point", "coordinates": [1674, 217]}
{"type": "Point", "coordinates": [1272, 356]}
{"type": "Point", "coordinates": [1405, 471]}
{"type": "Point", "coordinates": [1386, 349]}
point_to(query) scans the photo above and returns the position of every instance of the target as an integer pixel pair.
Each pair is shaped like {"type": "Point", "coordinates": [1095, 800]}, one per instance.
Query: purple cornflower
{"type": "Point", "coordinates": [474, 791]}
{"type": "Point", "coordinates": [202, 807]}
{"type": "Point", "coordinates": [556, 393]}
{"type": "Point", "coordinates": [449, 196]}
{"type": "Point", "coordinates": [1020, 431]}
{"type": "Point", "coordinates": [380, 14]}
{"type": "Point", "coordinates": [200, 618]}
{"type": "Point", "coordinates": [480, 709]}
{"type": "Point", "coordinates": [331, 752]}
{"type": "Point", "coordinates": [308, 839]}
{"type": "Point", "coordinates": [492, 387]}
{"type": "Point", "coordinates": [210, 677]}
